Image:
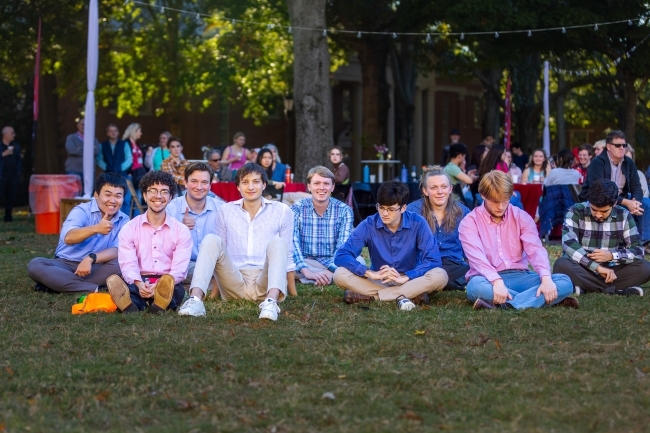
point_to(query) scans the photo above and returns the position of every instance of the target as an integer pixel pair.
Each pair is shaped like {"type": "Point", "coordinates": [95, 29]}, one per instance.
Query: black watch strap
{"type": "Point", "coordinates": [94, 257]}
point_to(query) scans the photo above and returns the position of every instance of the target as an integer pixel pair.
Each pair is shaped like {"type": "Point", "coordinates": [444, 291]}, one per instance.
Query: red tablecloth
{"type": "Point", "coordinates": [530, 195]}
{"type": "Point", "coordinates": [228, 191]}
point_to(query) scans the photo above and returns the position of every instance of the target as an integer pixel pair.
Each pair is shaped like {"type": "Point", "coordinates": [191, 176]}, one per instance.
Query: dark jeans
{"type": "Point", "coordinates": [456, 273]}
{"type": "Point", "coordinates": [633, 274]}
{"type": "Point", "coordinates": [143, 303]}
{"type": "Point", "coordinates": [8, 188]}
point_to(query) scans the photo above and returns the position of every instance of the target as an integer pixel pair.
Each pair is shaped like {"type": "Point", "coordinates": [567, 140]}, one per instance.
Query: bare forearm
{"type": "Point", "coordinates": [106, 255]}
{"type": "Point", "coordinates": [76, 236]}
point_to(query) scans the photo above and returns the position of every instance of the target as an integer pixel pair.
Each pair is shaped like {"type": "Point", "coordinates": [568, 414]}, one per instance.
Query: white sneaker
{"type": "Point", "coordinates": [578, 291]}
{"type": "Point", "coordinates": [405, 304]}
{"type": "Point", "coordinates": [269, 310]}
{"type": "Point", "coordinates": [192, 307]}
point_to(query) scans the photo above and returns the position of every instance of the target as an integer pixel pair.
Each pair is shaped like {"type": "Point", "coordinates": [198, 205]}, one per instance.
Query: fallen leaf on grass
{"type": "Point", "coordinates": [306, 317]}
{"type": "Point", "coordinates": [2, 427]}
{"type": "Point", "coordinates": [184, 405]}
{"type": "Point", "coordinates": [639, 373]}
{"type": "Point", "coordinates": [497, 344]}
{"type": "Point", "coordinates": [342, 376]}
{"type": "Point", "coordinates": [102, 396]}
{"type": "Point", "coordinates": [409, 414]}
{"type": "Point", "coordinates": [329, 395]}
{"type": "Point", "coordinates": [10, 372]}
{"type": "Point", "coordinates": [418, 332]}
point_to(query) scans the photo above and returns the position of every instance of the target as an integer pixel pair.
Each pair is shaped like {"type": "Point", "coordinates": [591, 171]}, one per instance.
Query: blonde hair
{"type": "Point", "coordinates": [452, 210]}
{"type": "Point", "coordinates": [600, 144]}
{"type": "Point", "coordinates": [130, 131]}
{"type": "Point", "coordinates": [321, 171]}
{"type": "Point", "coordinates": [631, 150]}
{"type": "Point", "coordinates": [496, 186]}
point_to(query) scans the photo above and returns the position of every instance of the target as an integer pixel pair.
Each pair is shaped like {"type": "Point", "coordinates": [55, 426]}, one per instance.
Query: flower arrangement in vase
{"type": "Point", "coordinates": [382, 152]}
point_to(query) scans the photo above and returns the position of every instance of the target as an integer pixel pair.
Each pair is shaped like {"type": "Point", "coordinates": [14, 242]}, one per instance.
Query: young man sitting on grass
{"type": "Point", "coordinates": [87, 251]}
{"type": "Point", "coordinates": [197, 211]}
{"type": "Point", "coordinates": [602, 250]}
{"type": "Point", "coordinates": [403, 252]}
{"type": "Point", "coordinates": [500, 240]}
{"type": "Point", "coordinates": [154, 253]}
{"type": "Point", "coordinates": [321, 226]}
{"type": "Point", "coordinates": [251, 252]}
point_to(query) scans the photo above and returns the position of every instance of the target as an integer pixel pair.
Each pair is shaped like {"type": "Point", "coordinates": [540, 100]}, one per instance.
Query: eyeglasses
{"type": "Point", "coordinates": [154, 192]}
{"type": "Point", "coordinates": [619, 145]}
{"type": "Point", "coordinates": [215, 160]}
{"type": "Point", "coordinates": [381, 209]}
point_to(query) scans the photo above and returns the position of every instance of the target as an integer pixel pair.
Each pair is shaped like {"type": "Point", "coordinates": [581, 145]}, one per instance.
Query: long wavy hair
{"type": "Point", "coordinates": [130, 131]}
{"type": "Point", "coordinates": [531, 164]}
{"type": "Point", "coordinates": [452, 210]}
{"type": "Point", "coordinates": [491, 160]}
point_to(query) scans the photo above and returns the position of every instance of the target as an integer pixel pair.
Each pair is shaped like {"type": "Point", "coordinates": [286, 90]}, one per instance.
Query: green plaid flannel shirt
{"type": "Point", "coordinates": [582, 234]}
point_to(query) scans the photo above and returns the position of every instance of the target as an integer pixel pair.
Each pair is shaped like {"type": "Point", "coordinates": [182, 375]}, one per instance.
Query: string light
{"type": "Point", "coordinates": [359, 35]}
{"type": "Point", "coordinates": [428, 37]}
{"type": "Point", "coordinates": [289, 30]}
{"type": "Point", "coordinates": [496, 34]}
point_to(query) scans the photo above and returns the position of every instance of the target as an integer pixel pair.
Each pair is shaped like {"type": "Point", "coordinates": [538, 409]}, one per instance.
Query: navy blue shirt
{"type": "Point", "coordinates": [448, 242]}
{"type": "Point", "coordinates": [411, 250]}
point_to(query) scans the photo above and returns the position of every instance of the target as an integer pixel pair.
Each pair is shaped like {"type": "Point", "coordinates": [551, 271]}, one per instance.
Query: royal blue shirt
{"type": "Point", "coordinates": [411, 250]}
{"type": "Point", "coordinates": [85, 215]}
{"type": "Point", "coordinates": [448, 242]}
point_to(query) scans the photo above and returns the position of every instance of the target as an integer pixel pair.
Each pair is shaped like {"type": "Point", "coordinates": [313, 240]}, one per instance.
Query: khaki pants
{"type": "Point", "coordinates": [187, 282]}
{"type": "Point", "coordinates": [251, 283]}
{"type": "Point", "coordinates": [433, 281]}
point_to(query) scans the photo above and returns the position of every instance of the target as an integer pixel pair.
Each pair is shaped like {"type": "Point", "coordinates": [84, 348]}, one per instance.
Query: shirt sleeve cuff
{"type": "Point", "coordinates": [544, 273]}
{"type": "Point", "coordinates": [411, 274]}
{"type": "Point", "coordinates": [360, 270]}
{"type": "Point", "coordinates": [492, 276]}
{"type": "Point", "coordinates": [129, 278]}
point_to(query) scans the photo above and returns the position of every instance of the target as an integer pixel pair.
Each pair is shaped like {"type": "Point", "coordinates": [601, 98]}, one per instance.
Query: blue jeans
{"type": "Point", "coordinates": [522, 286]}
{"type": "Point", "coordinates": [643, 222]}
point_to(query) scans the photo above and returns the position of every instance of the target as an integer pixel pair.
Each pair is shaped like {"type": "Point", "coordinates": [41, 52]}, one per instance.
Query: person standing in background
{"type": "Point", "coordinates": [10, 171]}
{"type": "Point", "coordinates": [454, 138]}
{"type": "Point", "coordinates": [175, 164]}
{"type": "Point", "coordinates": [114, 155]}
{"type": "Point", "coordinates": [74, 145]}
{"type": "Point", "coordinates": [236, 154]}
{"type": "Point", "coordinates": [278, 168]}
{"type": "Point", "coordinates": [161, 152]}
{"type": "Point", "coordinates": [341, 171]}
{"type": "Point", "coordinates": [518, 156]}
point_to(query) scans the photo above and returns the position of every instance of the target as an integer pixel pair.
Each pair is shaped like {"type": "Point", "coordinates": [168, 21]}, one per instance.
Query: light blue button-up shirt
{"type": "Point", "coordinates": [204, 222]}
{"type": "Point", "coordinates": [85, 215]}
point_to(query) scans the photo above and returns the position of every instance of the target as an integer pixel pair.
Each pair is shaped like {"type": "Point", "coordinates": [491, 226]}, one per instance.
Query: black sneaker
{"type": "Point", "coordinates": [630, 291]}
{"type": "Point", "coordinates": [38, 287]}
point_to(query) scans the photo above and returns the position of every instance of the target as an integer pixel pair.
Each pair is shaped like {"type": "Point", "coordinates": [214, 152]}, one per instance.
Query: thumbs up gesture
{"type": "Point", "coordinates": [104, 226]}
{"type": "Point", "coordinates": [187, 219]}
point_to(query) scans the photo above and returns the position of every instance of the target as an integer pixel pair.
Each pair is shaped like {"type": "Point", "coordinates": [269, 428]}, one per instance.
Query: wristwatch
{"type": "Point", "coordinates": [94, 257]}
{"type": "Point", "coordinates": [616, 255]}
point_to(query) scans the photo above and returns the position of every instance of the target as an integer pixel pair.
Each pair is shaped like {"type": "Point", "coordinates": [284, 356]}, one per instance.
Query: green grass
{"type": "Point", "coordinates": [543, 370]}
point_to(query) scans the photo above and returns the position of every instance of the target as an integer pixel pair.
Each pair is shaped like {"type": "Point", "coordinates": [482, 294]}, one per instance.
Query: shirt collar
{"type": "Point", "coordinates": [612, 162]}
{"type": "Point", "coordinates": [168, 220]}
{"type": "Point", "coordinates": [482, 211]}
{"type": "Point", "coordinates": [209, 205]}
{"type": "Point", "coordinates": [313, 208]}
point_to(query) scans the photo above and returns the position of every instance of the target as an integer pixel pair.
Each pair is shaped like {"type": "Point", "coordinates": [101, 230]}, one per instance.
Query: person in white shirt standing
{"type": "Point", "coordinates": [252, 250]}
{"type": "Point", "coordinates": [198, 212]}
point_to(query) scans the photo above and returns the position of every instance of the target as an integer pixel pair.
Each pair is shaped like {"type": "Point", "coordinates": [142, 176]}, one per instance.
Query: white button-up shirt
{"type": "Point", "coordinates": [204, 223]}
{"type": "Point", "coordinates": [246, 239]}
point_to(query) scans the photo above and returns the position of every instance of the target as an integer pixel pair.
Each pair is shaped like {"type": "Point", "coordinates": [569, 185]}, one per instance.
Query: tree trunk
{"type": "Point", "coordinates": [311, 85]}
{"type": "Point", "coordinates": [491, 80]}
{"type": "Point", "coordinates": [373, 55]}
{"type": "Point", "coordinates": [526, 111]}
{"type": "Point", "coordinates": [48, 155]}
{"type": "Point", "coordinates": [631, 98]}
{"type": "Point", "coordinates": [404, 77]}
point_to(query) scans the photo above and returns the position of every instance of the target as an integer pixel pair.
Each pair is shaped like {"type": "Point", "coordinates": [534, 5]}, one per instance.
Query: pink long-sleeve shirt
{"type": "Point", "coordinates": [144, 250]}
{"type": "Point", "coordinates": [510, 244]}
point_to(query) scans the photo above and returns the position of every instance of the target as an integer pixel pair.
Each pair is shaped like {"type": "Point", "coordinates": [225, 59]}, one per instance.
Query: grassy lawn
{"type": "Point", "coordinates": [443, 367]}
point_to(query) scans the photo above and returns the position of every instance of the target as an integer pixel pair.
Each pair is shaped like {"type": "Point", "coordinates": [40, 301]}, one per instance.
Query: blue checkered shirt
{"type": "Point", "coordinates": [319, 237]}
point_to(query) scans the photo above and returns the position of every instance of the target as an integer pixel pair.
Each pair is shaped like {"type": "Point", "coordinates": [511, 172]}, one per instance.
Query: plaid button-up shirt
{"type": "Point", "coordinates": [319, 237]}
{"type": "Point", "coordinates": [582, 234]}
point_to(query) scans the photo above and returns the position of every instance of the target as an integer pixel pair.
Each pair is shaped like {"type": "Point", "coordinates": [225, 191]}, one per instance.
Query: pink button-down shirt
{"type": "Point", "coordinates": [508, 245]}
{"type": "Point", "coordinates": [144, 250]}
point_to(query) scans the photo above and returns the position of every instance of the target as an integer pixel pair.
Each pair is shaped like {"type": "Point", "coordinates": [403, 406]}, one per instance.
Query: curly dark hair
{"type": "Point", "coordinates": [161, 177]}
{"type": "Point", "coordinates": [602, 192]}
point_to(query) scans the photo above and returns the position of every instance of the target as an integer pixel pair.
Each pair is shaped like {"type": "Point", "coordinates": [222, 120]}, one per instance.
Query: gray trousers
{"type": "Point", "coordinates": [58, 274]}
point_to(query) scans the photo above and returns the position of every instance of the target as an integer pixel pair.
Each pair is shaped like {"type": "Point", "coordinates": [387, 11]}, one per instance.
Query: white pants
{"type": "Point", "coordinates": [251, 283]}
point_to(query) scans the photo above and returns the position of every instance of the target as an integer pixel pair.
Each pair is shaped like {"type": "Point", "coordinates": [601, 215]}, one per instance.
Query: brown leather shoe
{"type": "Point", "coordinates": [568, 303]}
{"type": "Point", "coordinates": [350, 297]}
{"type": "Point", "coordinates": [162, 293]}
{"type": "Point", "coordinates": [119, 292]}
{"type": "Point", "coordinates": [480, 304]}
{"type": "Point", "coordinates": [422, 299]}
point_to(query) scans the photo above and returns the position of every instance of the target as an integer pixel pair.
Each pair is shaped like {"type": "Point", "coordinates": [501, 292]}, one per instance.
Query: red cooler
{"type": "Point", "coordinates": [45, 194]}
